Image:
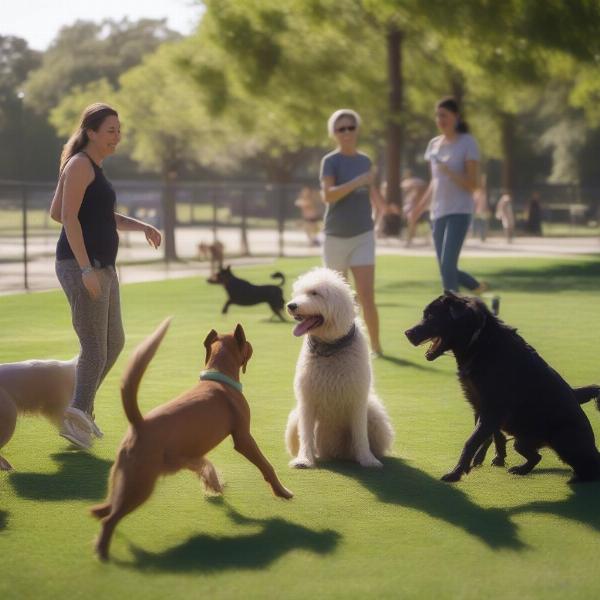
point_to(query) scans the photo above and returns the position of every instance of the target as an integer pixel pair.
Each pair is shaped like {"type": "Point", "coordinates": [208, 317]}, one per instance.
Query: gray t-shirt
{"type": "Point", "coordinates": [449, 198]}
{"type": "Point", "coordinates": [351, 215]}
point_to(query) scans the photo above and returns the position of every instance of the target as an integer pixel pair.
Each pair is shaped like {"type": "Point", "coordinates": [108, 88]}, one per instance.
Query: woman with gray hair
{"type": "Point", "coordinates": [347, 188]}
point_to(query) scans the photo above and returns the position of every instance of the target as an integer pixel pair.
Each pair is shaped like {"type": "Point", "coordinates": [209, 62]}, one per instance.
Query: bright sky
{"type": "Point", "coordinates": [38, 21]}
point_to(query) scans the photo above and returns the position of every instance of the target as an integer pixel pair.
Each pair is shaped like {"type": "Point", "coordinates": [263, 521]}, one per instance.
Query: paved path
{"type": "Point", "coordinates": [264, 245]}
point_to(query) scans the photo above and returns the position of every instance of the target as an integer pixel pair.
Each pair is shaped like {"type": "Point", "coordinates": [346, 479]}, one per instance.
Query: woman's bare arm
{"type": "Point", "coordinates": [125, 223]}
{"type": "Point", "coordinates": [470, 180]}
{"type": "Point", "coordinates": [56, 206]}
{"type": "Point", "coordinates": [78, 175]}
{"type": "Point", "coordinates": [331, 193]}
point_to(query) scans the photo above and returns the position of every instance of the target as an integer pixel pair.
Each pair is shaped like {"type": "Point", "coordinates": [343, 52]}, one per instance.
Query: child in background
{"type": "Point", "coordinates": [504, 213]}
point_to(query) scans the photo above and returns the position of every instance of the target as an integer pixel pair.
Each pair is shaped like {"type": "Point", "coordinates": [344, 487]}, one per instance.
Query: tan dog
{"type": "Point", "coordinates": [215, 252]}
{"type": "Point", "coordinates": [40, 387]}
{"type": "Point", "coordinates": [177, 435]}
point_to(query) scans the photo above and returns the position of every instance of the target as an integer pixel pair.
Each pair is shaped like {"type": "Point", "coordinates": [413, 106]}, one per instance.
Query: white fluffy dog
{"type": "Point", "coordinates": [37, 387]}
{"type": "Point", "coordinates": [338, 414]}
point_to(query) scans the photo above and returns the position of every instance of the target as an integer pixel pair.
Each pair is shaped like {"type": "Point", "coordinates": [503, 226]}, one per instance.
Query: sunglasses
{"type": "Point", "coordinates": [344, 129]}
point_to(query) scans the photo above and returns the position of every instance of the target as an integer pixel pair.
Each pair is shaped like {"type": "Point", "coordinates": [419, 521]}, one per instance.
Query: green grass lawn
{"type": "Point", "coordinates": [349, 532]}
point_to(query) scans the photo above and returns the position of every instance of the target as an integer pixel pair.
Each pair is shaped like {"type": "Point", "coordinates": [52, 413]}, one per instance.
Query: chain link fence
{"type": "Point", "coordinates": [249, 218]}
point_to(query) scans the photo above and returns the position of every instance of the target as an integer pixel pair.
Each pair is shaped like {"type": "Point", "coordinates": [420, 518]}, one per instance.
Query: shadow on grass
{"type": "Point", "coordinates": [571, 275]}
{"type": "Point", "coordinates": [404, 485]}
{"type": "Point", "coordinates": [401, 362]}
{"type": "Point", "coordinates": [581, 505]}
{"type": "Point", "coordinates": [582, 276]}
{"type": "Point", "coordinates": [553, 470]}
{"type": "Point", "coordinates": [3, 520]}
{"type": "Point", "coordinates": [392, 305]}
{"type": "Point", "coordinates": [206, 553]}
{"type": "Point", "coordinates": [80, 476]}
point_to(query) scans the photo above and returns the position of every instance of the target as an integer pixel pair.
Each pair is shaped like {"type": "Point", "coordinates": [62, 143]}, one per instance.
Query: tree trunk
{"type": "Point", "coordinates": [169, 214]}
{"type": "Point", "coordinates": [507, 132]}
{"type": "Point", "coordinates": [457, 85]}
{"type": "Point", "coordinates": [279, 173]}
{"type": "Point", "coordinates": [391, 221]}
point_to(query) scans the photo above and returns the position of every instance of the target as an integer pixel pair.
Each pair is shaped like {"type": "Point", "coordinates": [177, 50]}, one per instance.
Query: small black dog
{"type": "Point", "coordinates": [244, 293]}
{"type": "Point", "coordinates": [510, 387]}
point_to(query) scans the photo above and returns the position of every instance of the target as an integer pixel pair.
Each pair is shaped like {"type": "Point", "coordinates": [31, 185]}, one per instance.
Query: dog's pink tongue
{"type": "Point", "coordinates": [305, 325]}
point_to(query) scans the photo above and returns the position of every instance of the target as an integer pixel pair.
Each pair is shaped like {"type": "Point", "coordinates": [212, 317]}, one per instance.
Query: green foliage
{"type": "Point", "coordinates": [86, 52]}
{"type": "Point", "coordinates": [65, 117]}
{"type": "Point", "coordinates": [26, 139]}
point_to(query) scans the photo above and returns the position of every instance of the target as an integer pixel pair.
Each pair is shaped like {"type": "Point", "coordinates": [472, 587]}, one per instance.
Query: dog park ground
{"type": "Point", "coordinates": [349, 532]}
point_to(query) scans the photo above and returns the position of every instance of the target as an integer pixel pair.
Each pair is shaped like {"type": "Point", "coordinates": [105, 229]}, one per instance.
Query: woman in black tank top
{"type": "Point", "coordinates": [84, 202]}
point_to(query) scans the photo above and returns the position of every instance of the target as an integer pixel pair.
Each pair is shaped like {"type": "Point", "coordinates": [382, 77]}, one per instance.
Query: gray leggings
{"type": "Point", "coordinates": [98, 326]}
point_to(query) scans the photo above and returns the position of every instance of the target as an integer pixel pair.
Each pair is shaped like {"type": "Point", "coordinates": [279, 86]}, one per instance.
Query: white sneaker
{"type": "Point", "coordinates": [77, 428]}
{"type": "Point", "coordinates": [95, 429]}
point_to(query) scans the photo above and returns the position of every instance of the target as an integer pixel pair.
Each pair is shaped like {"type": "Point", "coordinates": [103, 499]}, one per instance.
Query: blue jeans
{"type": "Point", "coordinates": [449, 233]}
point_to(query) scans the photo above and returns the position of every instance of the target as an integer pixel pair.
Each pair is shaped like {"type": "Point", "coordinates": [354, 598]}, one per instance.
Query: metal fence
{"type": "Point", "coordinates": [238, 211]}
{"type": "Point", "coordinates": [250, 217]}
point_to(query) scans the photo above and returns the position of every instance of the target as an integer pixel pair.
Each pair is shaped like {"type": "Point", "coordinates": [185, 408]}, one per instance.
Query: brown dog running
{"type": "Point", "coordinates": [177, 435]}
{"type": "Point", "coordinates": [41, 387]}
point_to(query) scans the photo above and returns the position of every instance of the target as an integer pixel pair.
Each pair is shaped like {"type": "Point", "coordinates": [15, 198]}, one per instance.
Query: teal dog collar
{"type": "Point", "coordinates": [212, 375]}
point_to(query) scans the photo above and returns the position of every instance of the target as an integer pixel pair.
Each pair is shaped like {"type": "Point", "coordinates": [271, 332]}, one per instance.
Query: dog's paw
{"type": "Point", "coordinates": [5, 465]}
{"type": "Point", "coordinates": [520, 470]}
{"type": "Point", "coordinates": [302, 463]}
{"type": "Point", "coordinates": [283, 492]}
{"type": "Point", "coordinates": [371, 462]}
{"type": "Point", "coordinates": [452, 477]}
{"type": "Point", "coordinates": [498, 461]}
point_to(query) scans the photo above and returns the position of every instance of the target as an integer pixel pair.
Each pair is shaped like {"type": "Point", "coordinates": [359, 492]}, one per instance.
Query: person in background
{"type": "Point", "coordinates": [383, 210]}
{"type": "Point", "coordinates": [454, 159]}
{"type": "Point", "coordinates": [482, 210]}
{"type": "Point", "coordinates": [84, 202]}
{"type": "Point", "coordinates": [347, 188]}
{"type": "Point", "coordinates": [505, 214]}
{"type": "Point", "coordinates": [534, 215]}
{"type": "Point", "coordinates": [310, 204]}
{"type": "Point", "coordinates": [414, 203]}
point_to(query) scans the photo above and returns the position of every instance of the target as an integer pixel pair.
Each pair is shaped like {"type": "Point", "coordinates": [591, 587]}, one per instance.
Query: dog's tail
{"type": "Point", "coordinates": [134, 371]}
{"type": "Point", "coordinates": [280, 275]}
{"type": "Point", "coordinates": [587, 393]}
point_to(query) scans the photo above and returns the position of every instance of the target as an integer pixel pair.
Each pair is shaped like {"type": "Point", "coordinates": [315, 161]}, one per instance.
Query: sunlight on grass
{"type": "Point", "coordinates": [349, 532]}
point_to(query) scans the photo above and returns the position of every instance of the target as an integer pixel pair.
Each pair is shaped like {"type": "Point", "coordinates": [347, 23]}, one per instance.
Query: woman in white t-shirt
{"type": "Point", "coordinates": [454, 160]}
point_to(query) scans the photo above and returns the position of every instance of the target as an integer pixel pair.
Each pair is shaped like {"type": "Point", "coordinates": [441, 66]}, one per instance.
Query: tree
{"type": "Point", "coordinates": [24, 137]}
{"type": "Point", "coordinates": [272, 78]}
{"type": "Point", "coordinates": [86, 52]}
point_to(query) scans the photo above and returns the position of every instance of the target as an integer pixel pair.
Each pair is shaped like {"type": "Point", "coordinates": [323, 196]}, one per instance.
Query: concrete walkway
{"type": "Point", "coordinates": [139, 262]}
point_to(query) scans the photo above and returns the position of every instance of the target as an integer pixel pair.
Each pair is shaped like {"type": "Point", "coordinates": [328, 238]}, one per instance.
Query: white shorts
{"type": "Point", "coordinates": [340, 253]}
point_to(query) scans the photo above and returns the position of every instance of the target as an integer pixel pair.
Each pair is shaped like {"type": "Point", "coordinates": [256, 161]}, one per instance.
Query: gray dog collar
{"type": "Point", "coordinates": [329, 349]}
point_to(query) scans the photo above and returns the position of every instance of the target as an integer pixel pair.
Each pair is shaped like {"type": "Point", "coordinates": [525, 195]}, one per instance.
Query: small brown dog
{"type": "Point", "coordinates": [40, 387]}
{"type": "Point", "coordinates": [177, 435]}
{"type": "Point", "coordinates": [214, 252]}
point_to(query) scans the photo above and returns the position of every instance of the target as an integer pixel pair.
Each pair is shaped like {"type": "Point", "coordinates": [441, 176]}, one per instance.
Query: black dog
{"type": "Point", "coordinates": [244, 293]}
{"type": "Point", "coordinates": [510, 387]}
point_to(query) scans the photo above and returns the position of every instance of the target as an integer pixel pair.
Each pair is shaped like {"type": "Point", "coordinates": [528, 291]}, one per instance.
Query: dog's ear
{"type": "Point", "coordinates": [244, 346]}
{"type": "Point", "coordinates": [458, 310]}
{"type": "Point", "coordinates": [239, 335]}
{"type": "Point", "coordinates": [228, 268]}
{"type": "Point", "coordinates": [247, 354]}
{"type": "Point", "coordinates": [208, 342]}
{"type": "Point", "coordinates": [457, 306]}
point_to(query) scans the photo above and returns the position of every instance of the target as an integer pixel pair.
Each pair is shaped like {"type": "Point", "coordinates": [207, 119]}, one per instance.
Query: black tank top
{"type": "Point", "coordinates": [98, 225]}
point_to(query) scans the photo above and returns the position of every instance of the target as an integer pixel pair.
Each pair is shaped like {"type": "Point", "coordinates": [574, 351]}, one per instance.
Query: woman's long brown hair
{"type": "Point", "coordinates": [91, 118]}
